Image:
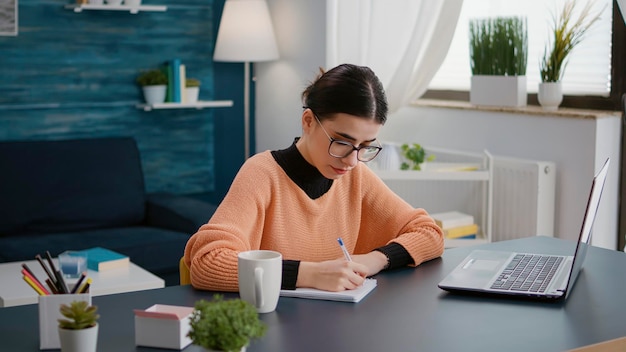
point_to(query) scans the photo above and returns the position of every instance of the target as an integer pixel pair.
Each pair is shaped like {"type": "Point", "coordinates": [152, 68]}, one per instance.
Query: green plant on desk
{"type": "Point", "coordinates": [80, 315]}
{"type": "Point", "coordinates": [415, 156]}
{"type": "Point", "coordinates": [224, 325]}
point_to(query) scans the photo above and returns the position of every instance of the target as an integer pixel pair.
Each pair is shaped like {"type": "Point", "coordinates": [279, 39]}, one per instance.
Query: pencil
{"type": "Point", "coordinates": [80, 281]}
{"type": "Point", "coordinates": [85, 288]}
{"type": "Point", "coordinates": [53, 288]}
{"type": "Point", "coordinates": [57, 273]}
{"type": "Point", "coordinates": [45, 268]}
{"type": "Point", "coordinates": [35, 281]}
{"type": "Point", "coordinates": [33, 285]}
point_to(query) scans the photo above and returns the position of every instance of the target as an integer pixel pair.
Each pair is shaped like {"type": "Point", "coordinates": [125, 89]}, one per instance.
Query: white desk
{"type": "Point", "coordinates": [14, 291]}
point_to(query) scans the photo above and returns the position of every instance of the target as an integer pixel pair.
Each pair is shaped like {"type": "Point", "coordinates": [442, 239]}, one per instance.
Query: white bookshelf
{"type": "Point", "coordinates": [434, 188]}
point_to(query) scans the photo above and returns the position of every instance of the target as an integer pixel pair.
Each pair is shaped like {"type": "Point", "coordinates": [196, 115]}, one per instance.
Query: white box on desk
{"type": "Point", "coordinates": [163, 326]}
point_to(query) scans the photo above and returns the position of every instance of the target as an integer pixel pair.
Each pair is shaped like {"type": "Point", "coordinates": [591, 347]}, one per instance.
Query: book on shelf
{"type": "Point", "coordinates": [101, 259]}
{"type": "Point", "coordinates": [169, 96]}
{"type": "Point", "coordinates": [182, 78]}
{"type": "Point", "coordinates": [175, 64]}
{"type": "Point", "coordinates": [354, 296]}
{"type": "Point", "coordinates": [450, 219]}
{"type": "Point", "coordinates": [461, 231]}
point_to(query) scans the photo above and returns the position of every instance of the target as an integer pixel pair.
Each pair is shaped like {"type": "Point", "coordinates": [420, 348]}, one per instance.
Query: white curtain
{"type": "Point", "coordinates": [403, 41]}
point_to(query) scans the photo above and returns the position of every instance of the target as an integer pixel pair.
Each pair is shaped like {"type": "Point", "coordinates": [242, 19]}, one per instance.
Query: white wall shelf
{"type": "Point", "coordinates": [196, 105]}
{"type": "Point", "coordinates": [106, 7]}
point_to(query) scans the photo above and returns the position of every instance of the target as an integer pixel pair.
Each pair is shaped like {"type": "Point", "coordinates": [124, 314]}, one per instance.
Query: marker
{"type": "Point", "coordinates": [343, 248]}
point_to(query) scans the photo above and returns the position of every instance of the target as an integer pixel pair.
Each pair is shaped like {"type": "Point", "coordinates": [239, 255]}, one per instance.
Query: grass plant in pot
{"type": "Point", "coordinates": [79, 331]}
{"type": "Point", "coordinates": [567, 33]}
{"type": "Point", "coordinates": [154, 85]}
{"type": "Point", "coordinates": [224, 325]}
{"type": "Point", "coordinates": [498, 59]}
{"type": "Point", "coordinates": [192, 90]}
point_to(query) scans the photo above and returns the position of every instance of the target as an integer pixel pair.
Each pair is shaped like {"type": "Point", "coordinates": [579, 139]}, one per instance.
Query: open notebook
{"type": "Point", "coordinates": [355, 295]}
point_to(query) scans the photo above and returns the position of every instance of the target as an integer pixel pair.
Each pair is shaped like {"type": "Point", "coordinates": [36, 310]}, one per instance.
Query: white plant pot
{"type": "Point", "coordinates": [154, 94]}
{"type": "Point", "coordinates": [132, 3]}
{"type": "Point", "coordinates": [191, 94]}
{"type": "Point", "coordinates": [498, 90]}
{"type": "Point", "coordinates": [85, 340]}
{"type": "Point", "coordinates": [550, 95]}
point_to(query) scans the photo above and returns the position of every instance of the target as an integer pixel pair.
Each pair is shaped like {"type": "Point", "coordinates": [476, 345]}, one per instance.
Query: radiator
{"type": "Point", "coordinates": [523, 198]}
{"type": "Point", "coordinates": [522, 195]}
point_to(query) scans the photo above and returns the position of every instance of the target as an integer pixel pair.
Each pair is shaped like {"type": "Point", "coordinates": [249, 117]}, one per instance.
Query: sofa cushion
{"type": "Point", "coordinates": [70, 185]}
{"type": "Point", "coordinates": [156, 250]}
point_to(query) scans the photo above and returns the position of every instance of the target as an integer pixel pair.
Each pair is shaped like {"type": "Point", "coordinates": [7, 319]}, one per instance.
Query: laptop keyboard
{"type": "Point", "coordinates": [528, 272]}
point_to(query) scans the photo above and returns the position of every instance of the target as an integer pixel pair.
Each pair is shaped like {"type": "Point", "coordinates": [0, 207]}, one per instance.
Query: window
{"type": "Point", "coordinates": [587, 73]}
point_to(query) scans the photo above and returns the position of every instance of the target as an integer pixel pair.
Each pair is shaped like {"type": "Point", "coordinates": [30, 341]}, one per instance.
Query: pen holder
{"type": "Point", "coordinates": [49, 313]}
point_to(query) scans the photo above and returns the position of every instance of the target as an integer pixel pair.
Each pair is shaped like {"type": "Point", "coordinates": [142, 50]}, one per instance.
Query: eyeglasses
{"type": "Point", "coordinates": [341, 149]}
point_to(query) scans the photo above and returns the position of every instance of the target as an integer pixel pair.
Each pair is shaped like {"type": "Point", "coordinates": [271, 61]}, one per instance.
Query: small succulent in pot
{"type": "Point", "coordinates": [80, 315]}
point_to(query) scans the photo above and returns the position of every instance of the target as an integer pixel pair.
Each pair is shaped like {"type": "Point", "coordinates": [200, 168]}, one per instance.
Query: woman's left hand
{"type": "Point", "coordinates": [375, 261]}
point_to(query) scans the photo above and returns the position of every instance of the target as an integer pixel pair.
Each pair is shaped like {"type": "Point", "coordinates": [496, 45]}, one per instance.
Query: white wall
{"type": "Point", "coordinates": [300, 27]}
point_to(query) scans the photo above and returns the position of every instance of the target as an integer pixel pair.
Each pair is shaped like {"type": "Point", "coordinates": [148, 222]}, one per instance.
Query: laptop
{"type": "Point", "coordinates": [527, 275]}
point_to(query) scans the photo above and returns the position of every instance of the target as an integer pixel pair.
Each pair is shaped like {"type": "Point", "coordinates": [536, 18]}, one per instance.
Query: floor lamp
{"type": "Point", "coordinates": [245, 35]}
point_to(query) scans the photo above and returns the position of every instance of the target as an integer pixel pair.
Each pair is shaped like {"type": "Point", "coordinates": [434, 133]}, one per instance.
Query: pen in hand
{"type": "Point", "coordinates": [344, 250]}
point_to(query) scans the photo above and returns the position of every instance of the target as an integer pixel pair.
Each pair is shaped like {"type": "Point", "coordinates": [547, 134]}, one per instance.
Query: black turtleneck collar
{"type": "Point", "coordinates": [305, 175]}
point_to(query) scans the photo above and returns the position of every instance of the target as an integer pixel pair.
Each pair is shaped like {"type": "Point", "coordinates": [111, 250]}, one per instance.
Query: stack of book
{"type": "Point", "coordinates": [176, 77]}
{"type": "Point", "coordinates": [456, 225]}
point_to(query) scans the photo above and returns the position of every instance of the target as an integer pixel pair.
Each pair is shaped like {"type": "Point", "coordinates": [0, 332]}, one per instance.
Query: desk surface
{"type": "Point", "coordinates": [406, 312]}
{"type": "Point", "coordinates": [14, 291]}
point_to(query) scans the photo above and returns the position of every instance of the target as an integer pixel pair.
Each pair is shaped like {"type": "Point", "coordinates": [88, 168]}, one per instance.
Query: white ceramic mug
{"type": "Point", "coordinates": [260, 276]}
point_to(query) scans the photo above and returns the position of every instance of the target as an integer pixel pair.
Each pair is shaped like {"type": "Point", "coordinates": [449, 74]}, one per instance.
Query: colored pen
{"type": "Point", "coordinates": [33, 285]}
{"type": "Point", "coordinates": [80, 281]}
{"type": "Point", "coordinates": [343, 248]}
{"type": "Point", "coordinates": [34, 280]}
{"type": "Point", "coordinates": [85, 287]}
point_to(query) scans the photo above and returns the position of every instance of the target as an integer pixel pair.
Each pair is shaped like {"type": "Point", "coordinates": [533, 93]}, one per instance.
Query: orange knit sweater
{"type": "Point", "coordinates": [265, 209]}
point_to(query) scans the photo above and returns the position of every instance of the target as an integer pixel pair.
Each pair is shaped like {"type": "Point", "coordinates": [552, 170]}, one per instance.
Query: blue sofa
{"type": "Point", "coordinates": [82, 193]}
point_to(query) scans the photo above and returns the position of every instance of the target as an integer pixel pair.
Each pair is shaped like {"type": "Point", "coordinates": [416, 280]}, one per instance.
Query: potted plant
{"type": "Point", "coordinates": [154, 85]}
{"type": "Point", "coordinates": [224, 325]}
{"type": "Point", "coordinates": [192, 89]}
{"type": "Point", "coordinates": [567, 33]}
{"type": "Point", "coordinates": [414, 156]}
{"type": "Point", "coordinates": [79, 332]}
{"type": "Point", "coordinates": [498, 58]}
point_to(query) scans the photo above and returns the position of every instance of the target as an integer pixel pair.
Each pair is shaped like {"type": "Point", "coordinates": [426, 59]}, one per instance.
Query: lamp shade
{"type": "Point", "coordinates": [622, 8]}
{"type": "Point", "coordinates": [245, 33]}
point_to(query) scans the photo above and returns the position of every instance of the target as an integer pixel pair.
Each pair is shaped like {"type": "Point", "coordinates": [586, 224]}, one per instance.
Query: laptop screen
{"type": "Point", "coordinates": [584, 239]}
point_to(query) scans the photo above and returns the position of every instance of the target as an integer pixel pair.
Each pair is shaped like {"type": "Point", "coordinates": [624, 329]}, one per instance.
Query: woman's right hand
{"type": "Point", "coordinates": [331, 275]}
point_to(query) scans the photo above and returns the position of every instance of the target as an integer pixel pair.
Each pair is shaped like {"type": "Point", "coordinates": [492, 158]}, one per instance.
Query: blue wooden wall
{"type": "Point", "coordinates": [71, 75]}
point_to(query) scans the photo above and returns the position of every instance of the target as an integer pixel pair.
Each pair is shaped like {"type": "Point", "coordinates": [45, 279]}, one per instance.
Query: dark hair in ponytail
{"type": "Point", "coordinates": [349, 89]}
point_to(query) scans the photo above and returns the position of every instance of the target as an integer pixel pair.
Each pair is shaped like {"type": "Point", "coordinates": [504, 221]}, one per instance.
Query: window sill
{"type": "Point", "coordinates": [527, 110]}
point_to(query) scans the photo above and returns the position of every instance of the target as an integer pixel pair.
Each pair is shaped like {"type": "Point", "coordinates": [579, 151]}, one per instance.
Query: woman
{"type": "Point", "coordinates": [300, 200]}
